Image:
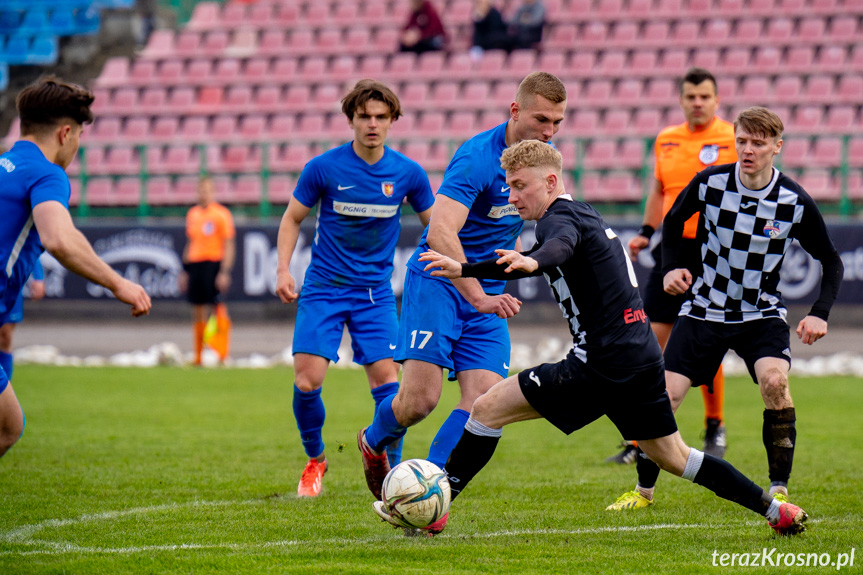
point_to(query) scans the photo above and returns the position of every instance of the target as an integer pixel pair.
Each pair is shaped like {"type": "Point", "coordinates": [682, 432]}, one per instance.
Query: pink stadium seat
{"type": "Point", "coordinates": [115, 72]}
{"type": "Point", "coordinates": [329, 41]}
{"type": "Point", "coordinates": [402, 65]}
{"type": "Point", "coordinates": [489, 119]}
{"type": "Point", "coordinates": [717, 31]}
{"type": "Point", "coordinates": [621, 187]}
{"type": "Point", "coordinates": [170, 71]}
{"type": "Point", "coordinates": [120, 160]}
{"type": "Point", "coordinates": [706, 57]}
{"type": "Point", "coordinates": [199, 70]}
{"type": "Point", "coordinates": [843, 28]}
{"type": "Point", "coordinates": [286, 14]}
{"type": "Point", "coordinates": [820, 185]}
{"type": "Point", "coordinates": [476, 94]}
{"type": "Point", "coordinates": [183, 191]}
{"type": "Point", "coordinates": [205, 15]}
{"type": "Point", "coordinates": [317, 14]}
{"type": "Point", "coordinates": [431, 124]}
{"type": "Point", "coordinates": [647, 121]}
{"type": "Point", "coordinates": [459, 66]}
{"type": "Point", "coordinates": [799, 59]}
{"type": "Point", "coordinates": [589, 187]}
{"type": "Point", "coordinates": [779, 30]}
{"type": "Point", "coordinates": [841, 118]}
{"type": "Point", "coordinates": [310, 126]}
{"type": "Point", "coordinates": [819, 89]}
{"type": "Point", "coordinates": [143, 72]}
{"type": "Point", "coordinates": [747, 30]}
{"type": "Point", "coordinates": [414, 95]}
{"type": "Point", "coordinates": [260, 15]}
{"type": "Point", "coordinates": [795, 153]}
{"type": "Point", "coordinates": [181, 100]}
{"type": "Point", "coordinates": [552, 62]}
{"type": "Point", "coordinates": [233, 13]}
{"type": "Point", "coordinates": [812, 29]}
{"type": "Point", "coordinates": [178, 159]}
{"type": "Point", "coordinates": [280, 126]}
{"type": "Point", "coordinates": [806, 119]}
{"type": "Point", "coordinates": [616, 121]}
{"type": "Point", "coordinates": [280, 188]}
{"type": "Point", "coordinates": [153, 99]}
{"type": "Point", "coordinates": [99, 191]}
{"type": "Point", "coordinates": [685, 33]}
{"type": "Point", "coordinates": [244, 43]}
{"type": "Point", "coordinates": [493, 61]}
{"type": "Point", "coordinates": [160, 44]}
{"type": "Point", "coordinates": [187, 44]}
{"type": "Point", "coordinates": [787, 89]}
{"type": "Point", "coordinates": [596, 92]}
{"type": "Point", "coordinates": [631, 153]}
{"type": "Point", "coordinates": [767, 59]}
{"type": "Point", "coordinates": [301, 41]}
{"type": "Point", "coordinates": [267, 99]}
{"type": "Point", "coordinates": [850, 88]}
{"type": "Point", "coordinates": [609, 7]}
{"type": "Point", "coordinates": [165, 128]}
{"type": "Point", "coordinates": [520, 63]}
{"type": "Point", "coordinates": [600, 154]}
{"type": "Point", "coordinates": [136, 129]}
{"type": "Point", "coordinates": [855, 152]}
{"type": "Point", "coordinates": [244, 190]}
{"type": "Point", "coordinates": [297, 97]}
{"type": "Point", "coordinates": [272, 42]}
{"type": "Point", "coordinates": [223, 128]}
{"type": "Point", "coordinates": [444, 95]}
{"type": "Point", "coordinates": [417, 150]}
{"type": "Point", "coordinates": [561, 37]}
{"type": "Point", "coordinates": [624, 33]}
{"type": "Point", "coordinates": [729, 7]}
{"type": "Point", "coordinates": [345, 13]}
{"type": "Point", "coordinates": [855, 59]}
{"type": "Point", "coordinates": [582, 62]}
{"type": "Point", "coordinates": [227, 70]}
{"type": "Point", "coordinates": [611, 63]}
{"type": "Point", "coordinates": [628, 92]}
{"type": "Point", "coordinates": [735, 60]}
{"type": "Point", "coordinates": [127, 191]}
{"type": "Point", "coordinates": [342, 68]}
{"type": "Point", "coordinates": [831, 59]}
{"type": "Point", "coordinates": [593, 33]}
{"type": "Point", "coordinates": [582, 122]}
{"type": "Point", "coordinates": [125, 100]}
{"type": "Point", "coordinates": [386, 39]}
{"type": "Point", "coordinates": [209, 98]}
{"type": "Point", "coordinates": [754, 90]}
{"type": "Point", "coordinates": [372, 66]}
{"type": "Point", "coordinates": [700, 6]}
{"type": "Point", "coordinates": [158, 190]}
{"type": "Point", "coordinates": [238, 98]}
{"type": "Point", "coordinates": [430, 65]}
{"type": "Point", "coordinates": [359, 39]}
{"type": "Point", "coordinates": [284, 69]}
{"type": "Point", "coordinates": [253, 127]}
{"type": "Point", "coordinates": [639, 7]}
{"type": "Point", "coordinates": [193, 128]}
{"type": "Point", "coordinates": [669, 8]}
{"type": "Point", "coordinates": [569, 150]}
{"type": "Point", "coordinates": [827, 152]}
{"type": "Point", "coordinates": [327, 97]}
{"type": "Point", "coordinates": [255, 70]}
{"type": "Point", "coordinates": [105, 129]}
{"type": "Point", "coordinates": [673, 61]}
{"type": "Point", "coordinates": [656, 33]}
{"type": "Point", "coordinates": [215, 43]}
{"type": "Point", "coordinates": [462, 124]}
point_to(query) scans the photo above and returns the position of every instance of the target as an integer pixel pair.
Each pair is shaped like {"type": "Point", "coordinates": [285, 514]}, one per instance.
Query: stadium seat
{"type": "Point", "coordinates": [205, 15]}
{"type": "Point", "coordinates": [280, 126]}
{"type": "Point", "coordinates": [819, 184]}
{"type": "Point", "coordinates": [850, 88]}
{"type": "Point", "coordinates": [280, 188]}
{"type": "Point", "coordinates": [561, 37]}
{"type": "Point", "coordinates": [244, 43]}
{"type": "Point", "coordinates": [600, 154]}
{"type": "Point", "coordinates": [214, 43]}
{"type": "Point", "coordinates": [855, 152]}
{"type": "Point", "coordinates": [170, 72]}
{"type": "Point", "coordinates": [209, 99]}
{"type": "Point", "coordinates": [272, 42]}
{"type": "Point", "coordinates": [843, 29]}
{"type": "Point", "coordinates": [582, 122]}
{"type": "Point", "coordinates": [831, 59]}
{"type": "Point", "coordinates": [444, 95]}
{"type": "Point", "coordinates": [414, 95]}
{"type": "Point", "coordinates": [193, 129]}
{"type": "Point", "coordinates": [552, 62]}
{"type": "Point", "coordinates": [582, 63]}
{"type": "Point", "coordinates": [165, 128]}
{"type": "Point", "coordinates": [799, 59]}
{"type": "Point", "coordinates": [99, 192]}
{"type": "Point", "coordinates": [819, 89]}
{"type": "Point", "coordinates": [621, 187]}
{"type": "Point", "coordinates": [255, 70]}
{"type": "Point", "coordinates": [593, 34]}
{"type": "Point", "coordinates": [310, 126]}
{"type": "Point", "coordinates": [673, 61]}
{"type": "Point", "coordinates": [300, 42]}
{"type": "Point", "coordinates": [126, 192]}
{"type": "Point", "coordinates": [105, 129]}
{"type": "Point", "coordinates": [841, 118]}
{"type": "Point", "coordinates": [181, 100]}
{"type": "Point", "coordinates": [430, 124]}
{"type": "Point", "coordinates": [685, 33]}
{"type": "Point", "coordinates": [187, 44]}
{"type": "Point", "coordinates": [729, 7]}
{"type": "Point", "coordinates": [787, 89]}
{"type": "Point", "coordinates": [227, 70]}
{"type": "Point", "coordinates": [238, 98]}
{"type": "Point", "coordinates": [329, 41]}
{"type": "Point", "coordinates": [647, 121]}
{"type": "Point", "coordinates": [136, 129]}
{"type": "Point", "coordinates": [779, 31]}
{"type": "Point", "coordinates": [223, 128]}
{"type": "Point", "coordinates": [429, 65]}
{"type": "Point", "coordinates": [119, 160]}
{"type": "Point", "coordinates": [143, 72]}
{"type": "Point", "coordinates": [327, 97]}
{"type": "Point", "coordinates": [643, 59]}
{"type": "Point", "coordinates": [462, 124]}
{"type": "Point", "coordinates": [199, 70]}
{"type": "Point", "coordinates": [253, 127]}
{"type": "Point", "coordinates": [628, 92]}
{"type": "Point", "coordinates": [734, 61]}
{"type": "Point", "coordinates": [160, 44]}
{"type": "Point", "coordinates": [624, 33]}
{"type": "Point", "coordinates": [747, 31]}
{"type": "Point", "coordinates": [767, 59]}
{"type": "Point", "coordinates": [616, 121]}
{"type": "Point", "coordinates": [114, 73]}
{"type": "Point", "coordinates": [806, 119]}
{"type": "Point", "coordinates": [795, 153]}
{"type": "Point", "coordinates": [827, 152]}
{"type": "Point", "coordinates": [153, 100]}
{"type": "Point", "coordinates": [754, 90]}
{"type": "Point", "coordinates": [476, 94]}
{"type": "Point", "coordinates": [596, 92]}
{"type": "Point", "coordinates": [717, 31]}
{"type": "Point", "coordinates": [611, 63]}
{"type": "Point", "coordinates": [812, 30]}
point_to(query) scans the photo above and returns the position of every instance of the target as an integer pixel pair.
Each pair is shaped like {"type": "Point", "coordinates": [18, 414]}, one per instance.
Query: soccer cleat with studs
{"type": "Point", "coordinates": [625, 457]}
{"type": "Point", "coordinates": [791, 520]}
{"type": "Point", "coordinates": [311, 481]}
{"type": "Point", "coordinates": [630, 500]}
{"type": "Point", "coordinates": [715, 440]}
{"type": "Point", "coordinates": [375, 466]}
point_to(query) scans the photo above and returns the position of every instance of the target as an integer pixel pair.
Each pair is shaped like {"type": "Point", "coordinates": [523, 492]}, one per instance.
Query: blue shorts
{"type": "Point", "coordinates": [4, 380]}
{"type": "Point", "coordinates": [439, 326]}
{"type": "Point", "coordinates": [15, 313]}
{"type": "Point", "coordinates": [324, 310]}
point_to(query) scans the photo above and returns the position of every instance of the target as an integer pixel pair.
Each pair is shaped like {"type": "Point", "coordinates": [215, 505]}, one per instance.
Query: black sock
{"type": "Point", "coordinates": [469, 456]}
{"type": "Point", "coordinates": [647, 470]}
{"type": "Point", "coordinates": [727, 482]}
{"type": "Point", "coordinates": [779, 434]}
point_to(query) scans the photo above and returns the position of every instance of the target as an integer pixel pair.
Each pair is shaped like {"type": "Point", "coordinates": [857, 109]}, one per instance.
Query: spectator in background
{"type": "Point", "coordinates": [424, 30]}
{"type": "Point", "coordinates": [526, 25]}
{"type": "Point", "coordinates": [490, 32]}
{"type": "Point", "coordinates": [146, 23]}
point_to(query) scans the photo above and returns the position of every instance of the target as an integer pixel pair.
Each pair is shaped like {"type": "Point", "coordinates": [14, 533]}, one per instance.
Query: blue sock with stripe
{"type": "Point", "coordinates": [7, 363]}
{"type": "Point", "coordinates": [447, 437]}
{"type": "Point", "coordinates": [310, 414]}
{"type": "Point", "coordinates": [385, 428]}
{"type": "Point", "coordinates": [394, 449]}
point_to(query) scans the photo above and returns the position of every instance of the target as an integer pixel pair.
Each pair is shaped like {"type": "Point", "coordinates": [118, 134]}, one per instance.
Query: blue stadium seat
{"type": "Point", "coordinates": [10, 20]}
{"type": "Point", "coordinates": [43, 50]}
{"type": "Point", "coordinates": [34, 22]}
{"type": "Point", "coordinates": [15, 50]}
{"type": "Point", "coordinates": [88, 21]}
{"type": "Point", "coordinates": [62, 21]}
{"type": "Point", "coordinates": [4, 76]}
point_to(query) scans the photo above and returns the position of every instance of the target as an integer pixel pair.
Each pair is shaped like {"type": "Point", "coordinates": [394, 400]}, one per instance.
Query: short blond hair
{"type": "Point", "coordinates": [760, 121]}
{"type": "Point", "coordinates": [531, 154]}
{"type": "Point", "coordinates": [542, 84]}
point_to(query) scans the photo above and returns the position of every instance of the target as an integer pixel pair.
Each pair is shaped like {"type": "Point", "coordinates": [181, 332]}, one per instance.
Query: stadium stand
{"type": "Point", "coordinates": [240, 76]}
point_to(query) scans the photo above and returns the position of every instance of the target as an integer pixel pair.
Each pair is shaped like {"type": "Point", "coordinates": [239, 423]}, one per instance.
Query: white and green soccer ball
{"type": "Point", "coordinates": [416, 493]}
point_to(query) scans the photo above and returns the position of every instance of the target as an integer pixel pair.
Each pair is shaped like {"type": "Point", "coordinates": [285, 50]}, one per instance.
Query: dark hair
{"type": "Point", "coordinates": [696, 76]}
{"type": "Point", "coordinates": [49, 100]}
{"type": "Point", "coordinates": [366, 90]}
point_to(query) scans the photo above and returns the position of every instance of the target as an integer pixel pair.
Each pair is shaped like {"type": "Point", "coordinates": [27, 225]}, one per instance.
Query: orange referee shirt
{"type": "Point", "coordinates": [680, 154]}
{"type": "Point", "coordinates": [207, 229]}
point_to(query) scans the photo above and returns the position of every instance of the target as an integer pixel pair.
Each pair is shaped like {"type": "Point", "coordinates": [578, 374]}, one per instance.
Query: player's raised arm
{"type": "Point", "coordinates": [289, 232]}
{"type": "Point", "coordinates": [66, 243]}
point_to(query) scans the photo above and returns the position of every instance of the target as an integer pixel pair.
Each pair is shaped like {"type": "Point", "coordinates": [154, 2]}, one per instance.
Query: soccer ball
{"type": "Point", "coordinates": [416, 493]}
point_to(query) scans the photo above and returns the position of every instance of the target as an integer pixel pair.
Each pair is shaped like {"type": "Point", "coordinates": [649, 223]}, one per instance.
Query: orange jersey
{"type": "Point", "coordinates": [208, 229]}
{"type": "Point", "coordinates": [680, 154]}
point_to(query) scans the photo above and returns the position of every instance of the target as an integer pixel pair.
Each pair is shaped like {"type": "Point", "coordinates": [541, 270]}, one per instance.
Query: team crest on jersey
{"type": "Point", "coordinates": [771, 228]}
{"type": "Point", "coordinates": [709, 153]}
{"type": "Point", "coordinates": [388, 188]}
{"type": "Point", "coordinates": [209, 228]}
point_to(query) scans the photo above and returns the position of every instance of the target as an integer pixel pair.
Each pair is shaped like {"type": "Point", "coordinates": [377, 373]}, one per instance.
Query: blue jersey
{"type": "Point", "coordinates": [27, 178]}
{"type": "Point", "coordinates": [358, 221]}
{"type": "Point", "coordinates": [474, 178]}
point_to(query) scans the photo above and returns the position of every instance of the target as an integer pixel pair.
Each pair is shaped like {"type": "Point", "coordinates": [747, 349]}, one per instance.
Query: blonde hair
{"type": "Point", "coordinates": [531, 154]}
{"type": "Point", "coordinates": [542, 84]}
{"type": "Point", "coordinates": [759, 121]}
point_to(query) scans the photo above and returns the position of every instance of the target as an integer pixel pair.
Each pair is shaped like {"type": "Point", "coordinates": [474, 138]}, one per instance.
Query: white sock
{"type": "Point", "coordinates": [772, 513]}
{"type": "Point", "coordinates": [646, 492]}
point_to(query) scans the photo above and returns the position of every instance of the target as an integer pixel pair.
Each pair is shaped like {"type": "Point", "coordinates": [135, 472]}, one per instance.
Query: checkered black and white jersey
{"type": "Point", "coordinates": [744, 235]}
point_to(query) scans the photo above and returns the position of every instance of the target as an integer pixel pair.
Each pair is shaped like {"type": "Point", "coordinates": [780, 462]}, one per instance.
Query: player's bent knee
{"type": "Point", "coordinates": [774, 387]}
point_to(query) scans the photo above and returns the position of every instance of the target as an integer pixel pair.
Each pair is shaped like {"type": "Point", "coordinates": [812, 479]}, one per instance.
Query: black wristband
{"type": "Point", "coordinates": [646, 231]}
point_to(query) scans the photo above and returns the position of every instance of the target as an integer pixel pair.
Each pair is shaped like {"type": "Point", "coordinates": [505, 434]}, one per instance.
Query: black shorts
{"type": "Point", "coordinates": [570, 394]}
{"type": "Point", "coordinates": [202, 282]}
{"type": "Point", "coordinates": [696, 347]}
{"type": "Point", "coordinates": [660, 306]}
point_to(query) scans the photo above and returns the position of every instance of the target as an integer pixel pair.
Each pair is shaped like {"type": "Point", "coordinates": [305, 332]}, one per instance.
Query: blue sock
{"type": "Point", "coordinates": [310, 414]}
{"type": "Point", "coordinates": [394, 449]}
{"type": "Point", "coordinates": [447, 437]}
{"type": "Point", "coordinates": [6, 362]}
{"type": "Point", "coordinates": [385, 428]}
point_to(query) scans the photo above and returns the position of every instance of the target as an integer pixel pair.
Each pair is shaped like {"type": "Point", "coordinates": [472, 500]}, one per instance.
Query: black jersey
{"type": "Point", "coordinates": [592, 280]}
{"type": "Point", "coordinates": [743, 242]}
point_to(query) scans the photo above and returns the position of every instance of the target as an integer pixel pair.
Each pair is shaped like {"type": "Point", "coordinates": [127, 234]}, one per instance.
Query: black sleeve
{"type": "Point", "coordinates": [686, 204]}
{"type": "Point", "coordinates": [548, 255]}
{"type": "Point", "coordinates": [814, 238]}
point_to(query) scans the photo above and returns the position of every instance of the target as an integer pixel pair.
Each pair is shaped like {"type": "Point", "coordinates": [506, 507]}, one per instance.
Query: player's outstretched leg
{"type": "Point", "coordinates": [642, 495]}
{"type": "Point", "coordinates": [473, 451]}
{"type": "Point", "coordinates": [725, 480]}
{"type": "Point", "coordinates": [447, 437]}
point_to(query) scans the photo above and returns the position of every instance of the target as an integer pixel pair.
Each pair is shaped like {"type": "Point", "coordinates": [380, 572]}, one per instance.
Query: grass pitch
{"type": "Point", "coordinates": [195, 471]}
